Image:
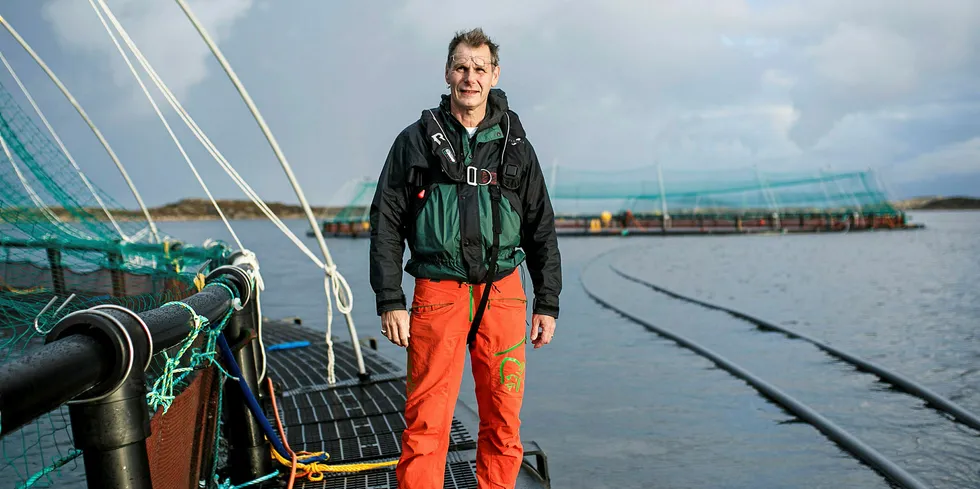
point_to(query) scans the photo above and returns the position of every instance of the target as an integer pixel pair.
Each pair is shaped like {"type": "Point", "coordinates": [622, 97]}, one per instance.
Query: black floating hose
{"type": "Point", "coordinates": [897, 380]}
{"type": "Point", "coordinates": [837, 434]}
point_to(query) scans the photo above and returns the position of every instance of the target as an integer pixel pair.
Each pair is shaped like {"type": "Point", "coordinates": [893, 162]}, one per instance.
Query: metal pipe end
{"type": "Point", "coordinates": [241, 279]}
{"type": "Point", "coordinates": [128, 342]}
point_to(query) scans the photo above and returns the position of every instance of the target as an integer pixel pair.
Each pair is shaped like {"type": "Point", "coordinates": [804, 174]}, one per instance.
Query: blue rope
{"type": "Point", "coordinates": [287, 346]}
{"type": "Point", "coordinates": [253, 404]}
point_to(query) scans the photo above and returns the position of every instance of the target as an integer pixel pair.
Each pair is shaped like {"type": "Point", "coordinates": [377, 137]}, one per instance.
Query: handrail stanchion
{"type": "Point", "coordinates": [112, 433]}
{"type": "Point", "coordinates": [249, 447]}
{"type": "Point", "coordinates": [96, 359]}
{"type": "Point", "coordinates": [111, 422]}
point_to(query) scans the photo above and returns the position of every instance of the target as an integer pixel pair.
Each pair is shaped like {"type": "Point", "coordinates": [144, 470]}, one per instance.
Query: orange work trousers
{"type": "Point", "coordinates": [441, 315]}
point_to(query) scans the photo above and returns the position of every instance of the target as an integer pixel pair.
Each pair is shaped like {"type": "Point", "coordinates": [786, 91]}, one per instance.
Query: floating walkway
{"type": "Point", "coordinates": [362, 422]}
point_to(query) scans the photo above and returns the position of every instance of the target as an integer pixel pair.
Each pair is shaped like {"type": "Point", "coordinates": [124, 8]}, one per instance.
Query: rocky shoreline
{"type": "Point", "coordinates": [939, 203]}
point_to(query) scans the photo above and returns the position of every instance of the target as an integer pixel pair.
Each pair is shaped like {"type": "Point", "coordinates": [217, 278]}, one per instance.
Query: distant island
{"type": "Point", "coordinates": [196, 209]}
{"type": "Point", "coordinates": [939, 203]}
{"type": "Point", "coordinates": [193, 209]}
{"type": "Point", "coordinates": [190, 209]}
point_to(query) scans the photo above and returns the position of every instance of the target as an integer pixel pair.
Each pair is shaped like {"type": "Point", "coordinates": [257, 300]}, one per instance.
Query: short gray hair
{"type": "Point", "coordinates": [473, 38]}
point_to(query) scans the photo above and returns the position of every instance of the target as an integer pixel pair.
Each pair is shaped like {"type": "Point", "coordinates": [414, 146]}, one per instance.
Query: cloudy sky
{"type": "Point", "coordinates": [695, 85]}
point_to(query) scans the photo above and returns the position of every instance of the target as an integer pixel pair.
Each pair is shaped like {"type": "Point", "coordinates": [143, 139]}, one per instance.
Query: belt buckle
{"type": "Point", "coordinates": [471, 176]}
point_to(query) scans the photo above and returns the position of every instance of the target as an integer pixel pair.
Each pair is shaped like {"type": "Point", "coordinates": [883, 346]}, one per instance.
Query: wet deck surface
{"type": "Point", "coordinates": [359, 422]}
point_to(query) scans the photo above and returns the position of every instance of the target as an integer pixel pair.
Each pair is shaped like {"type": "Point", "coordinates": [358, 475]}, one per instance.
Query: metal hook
{"type": "Point", "coordinates": [37, 318]}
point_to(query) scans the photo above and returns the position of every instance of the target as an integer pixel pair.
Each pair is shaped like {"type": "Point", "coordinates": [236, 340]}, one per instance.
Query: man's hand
{"type": "Point", "coordinates": [542, 329]}
{"type": "Point", "coordinates": [394, 325]}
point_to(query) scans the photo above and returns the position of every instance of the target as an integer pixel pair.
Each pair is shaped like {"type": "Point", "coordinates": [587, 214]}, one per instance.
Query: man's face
{"type": "Point", "coordinates": [470, 76]}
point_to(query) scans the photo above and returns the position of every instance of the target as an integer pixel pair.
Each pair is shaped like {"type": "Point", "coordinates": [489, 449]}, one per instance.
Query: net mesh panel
{"type": "Point", "coordinates": [56, 240]}
{"type": "Point", "coordinates": [721, 191]}
{"type": "Point", "coordinates": [181, 445]}
{"type": "Point", "coordinates": [735, 191]}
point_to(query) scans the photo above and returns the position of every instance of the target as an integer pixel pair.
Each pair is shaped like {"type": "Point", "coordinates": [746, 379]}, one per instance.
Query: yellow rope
{"type": "Point", "coordinates": [314, 471]}
{"type": "Point", "coordinates": [16, 290]}
{"type": "Point", "coordinates": [199, 281]}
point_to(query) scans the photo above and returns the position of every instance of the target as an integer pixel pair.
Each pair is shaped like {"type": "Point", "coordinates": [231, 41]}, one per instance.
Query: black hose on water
{"type": "Point", "coordinates": [897, 380]}
{"type": "Point", "coordinates": [836, 434]}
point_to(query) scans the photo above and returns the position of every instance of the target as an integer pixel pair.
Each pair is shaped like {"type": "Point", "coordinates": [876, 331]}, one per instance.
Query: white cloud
{"type": "Point", "coordinates": [789, 84]}
{"type": "Point", "coordinates": [778, 79]}
{"type": "Point", "coordinates": [160, 30]}
{"type": "Point", "coordinates": [869, 60]}
{"type": "Point", "coordinates": [959, 158]}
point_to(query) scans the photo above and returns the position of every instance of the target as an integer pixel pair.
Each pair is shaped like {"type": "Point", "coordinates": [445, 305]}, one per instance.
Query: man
{"type": "Point", "coordinates": [463, 187]}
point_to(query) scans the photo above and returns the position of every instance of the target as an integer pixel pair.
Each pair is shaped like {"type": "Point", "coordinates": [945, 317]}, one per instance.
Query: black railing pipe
{"type": "Point", "coordinates": [249, 447]}
{"type": "Point", "coordinates": [111, 433]}
{"type": "Point", "coordinates": [44, 379]}
{"type": "Point", "coordinates": [170, 325]}
{"type": "Point", "coordinates": [110, 422]}
{"type": "Point", "coordinates": [95, 359]}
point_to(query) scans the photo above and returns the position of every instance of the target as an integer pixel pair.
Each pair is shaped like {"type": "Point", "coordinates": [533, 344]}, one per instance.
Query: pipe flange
{"type": "Point", "coordinates": [142, 323]}
{"type": "Point", "coordinates": [112, 331]}
{"type": "Point", "coordinates": [242, 275]}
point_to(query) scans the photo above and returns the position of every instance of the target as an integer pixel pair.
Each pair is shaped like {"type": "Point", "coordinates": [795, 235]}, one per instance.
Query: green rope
{"type": "Point", "coordinates": [227, 483]}
{"type": "Point", "coordinates": [51, 468]}
{"type": "Point", "coordinates": [161, 395]}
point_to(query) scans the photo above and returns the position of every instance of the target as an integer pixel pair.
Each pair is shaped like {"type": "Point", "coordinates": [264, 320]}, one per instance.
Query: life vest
{"type": "Point", "coordinates": [447, 172]}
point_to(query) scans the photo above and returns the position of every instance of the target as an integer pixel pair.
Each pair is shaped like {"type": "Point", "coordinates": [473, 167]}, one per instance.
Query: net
{"type": "Point", "coordinates": [652, 190]}
{"type": "Point", "coordinates": [736, 191]}
{"type": "Point", "coordinates": [66, 245]}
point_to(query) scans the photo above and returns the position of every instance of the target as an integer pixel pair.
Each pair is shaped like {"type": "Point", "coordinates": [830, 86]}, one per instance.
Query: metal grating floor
{"type": "Point", "coordinates": [350, 421]}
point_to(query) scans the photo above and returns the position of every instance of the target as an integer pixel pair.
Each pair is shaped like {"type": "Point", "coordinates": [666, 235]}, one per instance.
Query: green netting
{"type": "Point", "coordinates": [56, 241]}
{"type": "Point", "coordinates": [717, 191]}
{"type": "Point", "coordinates": [649, 190]}
{"type": "Point", "coordinates": [356, 197]}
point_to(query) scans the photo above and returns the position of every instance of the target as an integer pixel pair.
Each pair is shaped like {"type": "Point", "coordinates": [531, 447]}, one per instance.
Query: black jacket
{"type": "Point", "coordinates": [423, 199]}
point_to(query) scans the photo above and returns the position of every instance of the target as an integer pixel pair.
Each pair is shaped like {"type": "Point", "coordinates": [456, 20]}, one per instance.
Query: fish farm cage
{"type": "Point", "coordinates": [655, 201]}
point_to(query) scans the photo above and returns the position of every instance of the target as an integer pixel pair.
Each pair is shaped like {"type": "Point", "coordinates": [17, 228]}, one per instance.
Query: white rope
{"type": "Point", "coordinates": [341, 290]}
{"type": "Point", "coordinates": [55, 220]}
{"type": "Point", "coordinates": [206, 142]}
{"type": "Point", "coordinates": [249, 257]}
{"type": "Point", "coordinates": [222, 161]}
{"type": "Point", "coordinates": [139, 234]}
{"type": "Point", "coordinates": [91, 125]}
{"type": "Point", "coordinates": [156, 109]}
{"type": "Point", "coordinates": [64, 150]}
{"type": "Point", "coordinates": [330, 269]}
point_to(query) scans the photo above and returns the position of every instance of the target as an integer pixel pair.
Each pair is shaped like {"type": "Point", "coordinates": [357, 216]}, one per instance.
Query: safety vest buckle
{"type": "Point", "coordinates": [480, 176]}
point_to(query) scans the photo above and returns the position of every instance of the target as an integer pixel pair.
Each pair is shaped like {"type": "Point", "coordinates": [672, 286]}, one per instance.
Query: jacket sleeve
{"type": "Point", "coordinates": [388, 210]}
{"type": "Point", "coordinates": [539, 240]}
